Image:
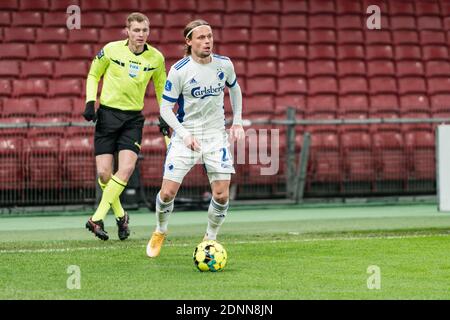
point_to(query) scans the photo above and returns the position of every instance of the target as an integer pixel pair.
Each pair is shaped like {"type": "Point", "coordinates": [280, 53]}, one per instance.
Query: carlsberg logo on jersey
{"type": "Point", "coordinates": [204, 92]}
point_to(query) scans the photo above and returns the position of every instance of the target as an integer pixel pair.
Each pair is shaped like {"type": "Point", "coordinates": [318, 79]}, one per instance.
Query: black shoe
{"type": "Point", "coordinates": [97, 228]}
{"type": "Point", "coordinates": [122, 224]}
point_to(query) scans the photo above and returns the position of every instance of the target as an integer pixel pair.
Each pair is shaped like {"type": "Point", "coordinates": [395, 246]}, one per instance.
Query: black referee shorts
{"type": "Point", "coordinates": [117, 130]}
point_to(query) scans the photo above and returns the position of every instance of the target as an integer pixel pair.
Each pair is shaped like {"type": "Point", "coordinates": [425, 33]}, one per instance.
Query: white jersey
{"type": "Point", "coordinates": [198, 89]}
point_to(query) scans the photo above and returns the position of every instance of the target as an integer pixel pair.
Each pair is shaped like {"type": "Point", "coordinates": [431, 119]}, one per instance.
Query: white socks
{"type": "Point", "coordinates": [163, 211]}
{"type": "Point", "coordinates": [216, 215]}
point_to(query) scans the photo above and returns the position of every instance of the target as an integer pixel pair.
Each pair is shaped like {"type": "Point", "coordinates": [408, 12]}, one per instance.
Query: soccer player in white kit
{"type": "Point", "coordinates": [197, 83]}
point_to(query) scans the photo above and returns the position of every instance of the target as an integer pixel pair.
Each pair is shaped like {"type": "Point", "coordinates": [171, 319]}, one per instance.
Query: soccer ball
{"type": "Point", "coordinates": [210, 256]}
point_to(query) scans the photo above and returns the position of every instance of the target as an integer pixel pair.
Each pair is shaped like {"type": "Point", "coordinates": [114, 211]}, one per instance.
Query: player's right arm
{"type": "Point", "coordinates": [172, 91]}
{"type": "Point", "coordinates": [98, 68]}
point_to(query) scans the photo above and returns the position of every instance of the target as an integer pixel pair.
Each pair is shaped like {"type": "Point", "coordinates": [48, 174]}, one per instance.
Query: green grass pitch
{"type": "Point", "coordinates": [276, 253]}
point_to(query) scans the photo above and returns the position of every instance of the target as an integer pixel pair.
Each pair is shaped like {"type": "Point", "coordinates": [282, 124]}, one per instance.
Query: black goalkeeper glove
{"type": "Point", "coordinates": [163, 127]}
{"type": "Point", "coordinates": [89, 112]}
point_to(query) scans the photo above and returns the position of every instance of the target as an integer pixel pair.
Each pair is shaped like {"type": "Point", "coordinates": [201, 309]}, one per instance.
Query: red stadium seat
{"type": "Point", "coordinates": [323, 36]}
{"type": "Point", "coordinates": [52, 35]}
{"type": "Point", "coordinates": [84, 35]}
{"type": "Point", "coordinates": [265, 36]}
{"type": "Point", "coordinates": [238, 20]}
{"type": "Point", "coordinates": [9, 5]}
{"type": "Point", "coordinates": [379, 52]}
{"type": "Point", "coordinates": [405, 37]}
{"type": "Point", "coordinates": [9, 69]}
{"type": "Point", "coordinates": [321, 21]}
{"type": "Point", "coordinates": [55, 19]}
{"type": "Point", "coordinates": [178, 20]}
{"type": "Point", "coordinates": [322, 85]}
{"type": "Point", "coordinates": [351, 52]}
{"type": "Point", "coordinates": [236, 35]}
{"type": "Point", "coordinates": [435, 53]}
{"type": "Point", "coordinates": [384, 102]}
{"type": "Point", "coordinates": [236, 51]}
{"type": "Point", "coordinates": [11, 163]}
{"type": "Point", "coordinates": [36, 5]}
{"type": "Point", "coordinates": [326, 165]}
{"type": "Point", "coordinates": [175, 51]}
{"type": "Point", "coordinates": [29, 87]}
{"type": "Point", "coordinates": [267, 21]}
{"type": "Point", "coordinates": [62, 5]}
{"type": "Point", "coordinates": [116, 19]}
{"type": "Point", "coordinates": [321, 67]}
{"type": "Point", "coordinates": [262, 51]}
{"type": "Point", "coordinates": [352, 68]}
{"type": "Point", "coordinates": [211, 6]}
{"type": "Point", "coordinates": [44, 51]}
{"type": "Point", "coordinates": [99, 5]}
{"type": "Point", "coordinates": [409, 68]}
{"type": "Point", "coordinates": [16, 35]}
{"type": "Point", "coordinates": [154, 6]}
{"type": "Point", "coordinates": [65, 87]}
{"type": "Point", "coordinates": [291, 51]}
{"type": "Point", "coordinates": [420, 147]}
{"type": "Point", "coordinates": [357, 157]}
{"type": "Point", "coordinates": [355, 85]}
{"type": "Point", "coordinates": [296, 101]}
{"type": "Point", "coordinates": [414, 102]}
{"type": "Point", "coordinates": [78, 166]}
{"type": "Point", "coordinates": [239, 6]}
{"type": "Point", "coordinates": [429, 23]}
{"type": "Point", "coordinates": [403, 23]}
{"type": "Point", "coordinates": [59, 107]}
{"type": "Point", "coordinates": [390, 156]}
{"type": "Point", "coordinates": [26, 19]}
{"type": "Point", "coordinates": [437, 68]}
{"type": "Point", "coordinates": [156, 19]}
{"type": "Point", "coordinates": [294, 6]}
{"type": "Point", "coordinates": [322, 7]}
{"type": "Point", "coordinates": [293, 21]}
{"type": "Point", "coordinates": [353, 103]}
{"type": "Point", "coordinates": [350, 21]}
{"type": "Point", "coordinates": [291, 68]}
{"type": "Point", "coordinates": [438, 85]}
{"type": "Point", "coordinates": [21, 108]}
{"type": "Point", "coordinates": [182, 6]}
{"type": "Point", "coordinates": [291, 85]}
{"type": "Point", "coordinates": [427, 8]}
{"type": "Point", "coordinates": [262, 105]}
{"type": "Point", "coordinates": [112, 34]}
{"type": "Point", "coordinates": [378, 37]}
{"type": "Point", "coordinates": [383, 85]}
{"type": "Point", "coordinates": [412, 85]}
{"type": "Point", "coordinates": [321, 52]}
{"type": "Point", "coordinates": [261, 85]}
{"type": "Point", "coordinates": [348, 7]}
{"type": "Point", "coordinates": [440, 102]}
{"type": "Point", "coordinates": [293, 36]}
{"type": "Point", "coordinates": [76, 51]}
{"type": "Point", "coordinates": [350, 37]}
{"type": "Point", "coordinates": [71, 69]}
{"type": "Point", "coordinates": [380, 68]}
{"type": "Point", "coordinates": [124, 5]}
{"type": "Point", "coordinates": [5, 19]}
{"type": "Point", "coordinates": [262, 68]}
{"type": "Point", "coordinates": [408, 52]}
{"type": "Point", "coordinates": [153, 152]}
{"type": "Point", "coordinates": [5, 88]}
{"type": "Point", "coordinates": [399, 8]}
{"type": "Point", "coordinates": [267, 6]}
{"type": "Point", "coordinates": [321, 103]}
{"type": "Point", "coordinates": [42, 159]}
{"type": "Point", "coordinates": [428, 37]}
{"type": "Point", "coordinates": [37, 69]}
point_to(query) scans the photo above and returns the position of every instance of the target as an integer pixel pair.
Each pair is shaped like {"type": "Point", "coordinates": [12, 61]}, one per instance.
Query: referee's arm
{"type": "Point", "coordinates": [98, 68]}
{"type": "Point", "coordinates": [159, 80]}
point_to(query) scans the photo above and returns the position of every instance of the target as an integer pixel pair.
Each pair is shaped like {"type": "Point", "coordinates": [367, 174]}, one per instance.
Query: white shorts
{"type": "Point", "coordinates": [214, 155]}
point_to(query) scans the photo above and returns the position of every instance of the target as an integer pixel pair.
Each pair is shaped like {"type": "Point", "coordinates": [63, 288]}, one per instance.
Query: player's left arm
{"type": "Point", "coordinates": [236, 130]}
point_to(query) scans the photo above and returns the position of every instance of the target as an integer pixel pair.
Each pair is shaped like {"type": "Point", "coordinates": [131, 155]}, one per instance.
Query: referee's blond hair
{"type": "Point", "coordinates": [136, 16]}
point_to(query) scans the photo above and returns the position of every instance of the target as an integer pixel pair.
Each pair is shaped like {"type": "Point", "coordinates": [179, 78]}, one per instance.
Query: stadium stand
{"type": "Point", "coordinates": [316, 56]}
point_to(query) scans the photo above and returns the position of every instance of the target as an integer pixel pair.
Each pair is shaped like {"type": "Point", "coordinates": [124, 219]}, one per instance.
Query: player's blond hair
{"type": "Point", "coordinates": [136, 16]}
{"type": "Point", "coordinates": [188, 33]}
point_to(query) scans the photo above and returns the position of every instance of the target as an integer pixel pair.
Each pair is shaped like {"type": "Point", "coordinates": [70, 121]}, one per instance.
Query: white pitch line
{"type": "Point", "coordinates": [57, 250]}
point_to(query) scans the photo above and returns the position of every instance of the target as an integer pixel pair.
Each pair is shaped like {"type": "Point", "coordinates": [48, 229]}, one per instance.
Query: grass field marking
{"type": "Point", "coordinates": [57, 250]}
